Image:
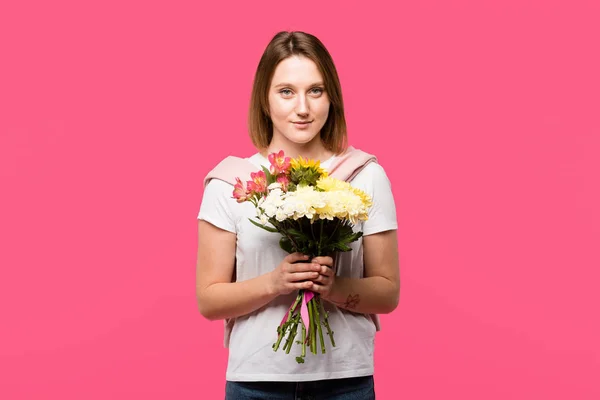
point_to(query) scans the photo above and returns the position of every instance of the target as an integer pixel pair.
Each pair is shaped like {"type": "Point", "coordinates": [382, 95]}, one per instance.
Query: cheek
{"type": "Point", "coordinates": [323, 109]}
{"type": "Point", "coordinates": [279, 109]}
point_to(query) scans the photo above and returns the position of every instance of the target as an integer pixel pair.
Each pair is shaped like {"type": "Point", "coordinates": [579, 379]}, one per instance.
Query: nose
{"type": "Point", "coordinates": [302, 106]}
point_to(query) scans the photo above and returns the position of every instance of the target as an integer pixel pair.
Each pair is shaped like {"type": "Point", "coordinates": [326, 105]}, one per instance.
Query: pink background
{"type": "Point", "coordinates": [484, 114]}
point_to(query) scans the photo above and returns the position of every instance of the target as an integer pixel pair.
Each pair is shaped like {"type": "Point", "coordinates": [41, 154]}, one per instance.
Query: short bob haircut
{"type": "Point", "coordinates": [284, 45]}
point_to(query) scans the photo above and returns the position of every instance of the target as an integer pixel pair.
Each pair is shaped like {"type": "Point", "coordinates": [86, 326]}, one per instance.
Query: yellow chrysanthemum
{"type": "Point", "coordinates": [330, 184]}
{"type": "Point", "coordinates": [307, 164]}
{"type": "Point", "coordinates": [366, 199]}
{"type": "Point", "coordinates": [304, 162]}
{"type": "Point", "coordinates": [304, 171]}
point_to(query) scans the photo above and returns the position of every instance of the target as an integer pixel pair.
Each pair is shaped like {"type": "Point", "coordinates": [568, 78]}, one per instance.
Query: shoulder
{"type": "Point", "coordinates": [219, 180]}
{"type": "Point", "coordinates": [374, 172]}
{"type": "Point", "coordinates": [218, 185]}
{"type": "Point", "coordinates": [373, 179]}
{"type": "Point", "coordinates": [230, 168]}
{"type": "Point", "coordinates": [356, 152]}
{"type": "Point", "coordinates": [218, 192]}
{"type": "Point", "coordinates": [231, 161]}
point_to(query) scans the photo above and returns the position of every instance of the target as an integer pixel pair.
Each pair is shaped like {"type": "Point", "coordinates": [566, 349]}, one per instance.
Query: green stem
{"type": "Point", "coordinates": [299, 298]}
{"type": "Point", "coordinates": [311, 230]}
{"type": "Point", "coordinates": [329, 331]}
{"type": "Point", "coordinates": [331, 237]}
{"type": "Point", "coordinates": [314, 323]}
{"type": "Point", "coordinates": [279, 337]}
{"type": "Point", "coordinates": [290, 318]}
{"type": "Point", "coordinates": [303, 341]}
{"type": "Point", "coordinates": [320, 239]}
{"type": "Point", "coordinates": [288, 342]}
{"type": "Point", "coordinates": [317, 301]}
{"type": "Point", "coordinates": [291, 338]}
{"type": "Point", "coordinates": [311, 327]}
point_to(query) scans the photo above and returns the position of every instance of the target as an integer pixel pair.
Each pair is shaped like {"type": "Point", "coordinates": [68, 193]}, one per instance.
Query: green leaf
{"type": "Point", "coordinates": [354, 237]}
{"type": "Point", "coordinates": [266, 228]}
{"type": "Point", "coordinates": [298, 233]}
{"type": "Point", "coordinates": [341, 246]}
{"type": "Point", "coordinates": [270, 178]}
{"type": "Point", "coordinates": [286, 245]}
{"type": "Point", "coordinates": [346, 229]}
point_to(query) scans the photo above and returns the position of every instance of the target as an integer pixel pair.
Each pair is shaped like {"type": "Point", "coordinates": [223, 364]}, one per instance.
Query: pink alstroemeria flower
{"type": "Point", "coordinates": [284, 180]}
{"type": "Point", "coordinates": [279, 163]}
{"type": "Point", "coordinates": [258, 184]}
{"type": "Point", "coordinates": [240, 193]}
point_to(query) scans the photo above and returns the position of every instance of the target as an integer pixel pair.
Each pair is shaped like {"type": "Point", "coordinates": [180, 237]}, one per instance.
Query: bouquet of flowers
{"type": "Point", "coordinates": [315, 214]}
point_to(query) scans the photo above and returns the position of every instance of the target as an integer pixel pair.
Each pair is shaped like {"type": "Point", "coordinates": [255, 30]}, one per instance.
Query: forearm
{"type": "Point", "coordinates": [371, 295]}
{"type": "Point", "coordinates": [230, 300]}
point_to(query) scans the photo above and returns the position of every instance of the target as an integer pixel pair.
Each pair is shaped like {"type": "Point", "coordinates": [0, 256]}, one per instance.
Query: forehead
{"type": "Point", "coordinates": [297, 70]}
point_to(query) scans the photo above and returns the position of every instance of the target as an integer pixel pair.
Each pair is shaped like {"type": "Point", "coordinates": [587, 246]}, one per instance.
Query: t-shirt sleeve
{"type": "Point", "coordinates": [215, 207]}
{"type": "Point", "coordinates": [382, 215]}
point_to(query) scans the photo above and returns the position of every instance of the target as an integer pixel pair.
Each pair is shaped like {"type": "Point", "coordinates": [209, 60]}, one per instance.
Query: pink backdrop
{"type": "Point", "coordinates": [484, 114]}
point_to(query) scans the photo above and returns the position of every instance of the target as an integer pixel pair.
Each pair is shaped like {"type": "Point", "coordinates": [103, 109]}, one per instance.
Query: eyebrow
{"type": "Point", "coordinates": [289, 84]}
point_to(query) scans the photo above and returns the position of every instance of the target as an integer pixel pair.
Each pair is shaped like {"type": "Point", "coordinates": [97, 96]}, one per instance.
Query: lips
{"type": "Point", "coordinates": [302, 125]}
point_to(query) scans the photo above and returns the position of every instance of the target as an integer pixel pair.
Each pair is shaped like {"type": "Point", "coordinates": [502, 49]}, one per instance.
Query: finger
{"type": "Point", "coordinates": [325, 270]}
{"type": "Point", "coordinates": [321, 279]}
{"type": "Point", "coordinates": [304, 267]}
{"type": "Point", "coordinates": [302, 285]}
{"type": "Point", "coordinates": [303, 276]}
{"type": "Point", "coordinates": [323, 260]}
{"type": "Point", "coordinates": [295, 257]}
{"type": "Point", "coordinates": [317, 288]}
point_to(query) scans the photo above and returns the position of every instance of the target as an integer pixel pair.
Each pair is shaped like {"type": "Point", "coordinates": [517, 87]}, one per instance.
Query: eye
{"type": "Point", "coordinates": [286, 91]}
{"type": "Point", "coordinates": [318, 89]}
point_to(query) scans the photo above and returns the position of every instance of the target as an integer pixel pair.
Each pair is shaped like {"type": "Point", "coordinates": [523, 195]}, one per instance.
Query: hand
{"type": "Point", "coordinates": [323, 284]}
{"type": "Point", "coordinates": [292, 275]}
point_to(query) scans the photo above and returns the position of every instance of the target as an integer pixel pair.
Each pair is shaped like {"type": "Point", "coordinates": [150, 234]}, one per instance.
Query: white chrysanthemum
{"type": "Point", "coordinates": [275, 195]}
{"type": "Point", "coordinates": [272, 202]}
{"type": "Point", "coordinates": [280, 215]}
{"type": "Point", "coordinates": [270, 210]}
{"type": "Point", "coordinates": [304, 202]}
{"type": "Point", "coordinates": [264, 219]}
{"type": "Point", "coordinates": [343, 202]}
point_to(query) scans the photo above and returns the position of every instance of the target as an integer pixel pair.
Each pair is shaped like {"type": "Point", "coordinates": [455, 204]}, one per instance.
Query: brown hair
{"type": "Point", "coordinates": [284, 45]}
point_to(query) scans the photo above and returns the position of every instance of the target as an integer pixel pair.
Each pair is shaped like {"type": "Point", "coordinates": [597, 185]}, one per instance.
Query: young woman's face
{"type": "Point", "coordinates": [298, 103]}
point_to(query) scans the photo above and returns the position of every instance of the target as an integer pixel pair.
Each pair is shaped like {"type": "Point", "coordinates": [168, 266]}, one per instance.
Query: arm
{"type": "Point", "coordinates": [379, 291]}
{"type": "Point", "coordinates": [219, 298]}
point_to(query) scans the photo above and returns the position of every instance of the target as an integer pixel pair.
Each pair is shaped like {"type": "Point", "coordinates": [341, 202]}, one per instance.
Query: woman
{"type": "Point", "coordinates": [246, 279]}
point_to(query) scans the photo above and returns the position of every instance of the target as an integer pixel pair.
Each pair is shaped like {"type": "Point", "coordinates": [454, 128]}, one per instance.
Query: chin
{"type": "Point", "coordinates": [308, 136]}
{"type": "Point", "coordinates": [304, 139]}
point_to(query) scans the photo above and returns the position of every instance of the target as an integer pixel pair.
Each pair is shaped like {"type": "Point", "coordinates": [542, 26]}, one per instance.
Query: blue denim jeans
{"type": "Point", "coordinates": [359, 388]}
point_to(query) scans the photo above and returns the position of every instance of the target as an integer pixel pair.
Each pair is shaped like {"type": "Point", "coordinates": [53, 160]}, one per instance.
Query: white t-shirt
{"type": "Point", "coordinates": [251, 356]}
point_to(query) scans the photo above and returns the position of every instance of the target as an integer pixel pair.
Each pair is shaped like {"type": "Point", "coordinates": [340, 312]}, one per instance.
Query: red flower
{"type": "Point", "coordinates": [279, 163]}
{"type": "Point", "coordinates": [258, 184]}
{"type": "Point", "coordinates": [284, 180]}
{"type": "Point", "coordinates": [239, 192]}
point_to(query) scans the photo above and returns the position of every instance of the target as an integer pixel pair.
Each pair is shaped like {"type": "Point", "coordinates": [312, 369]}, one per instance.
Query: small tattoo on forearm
{"type": "Point", "coordinates": [351, 301]}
